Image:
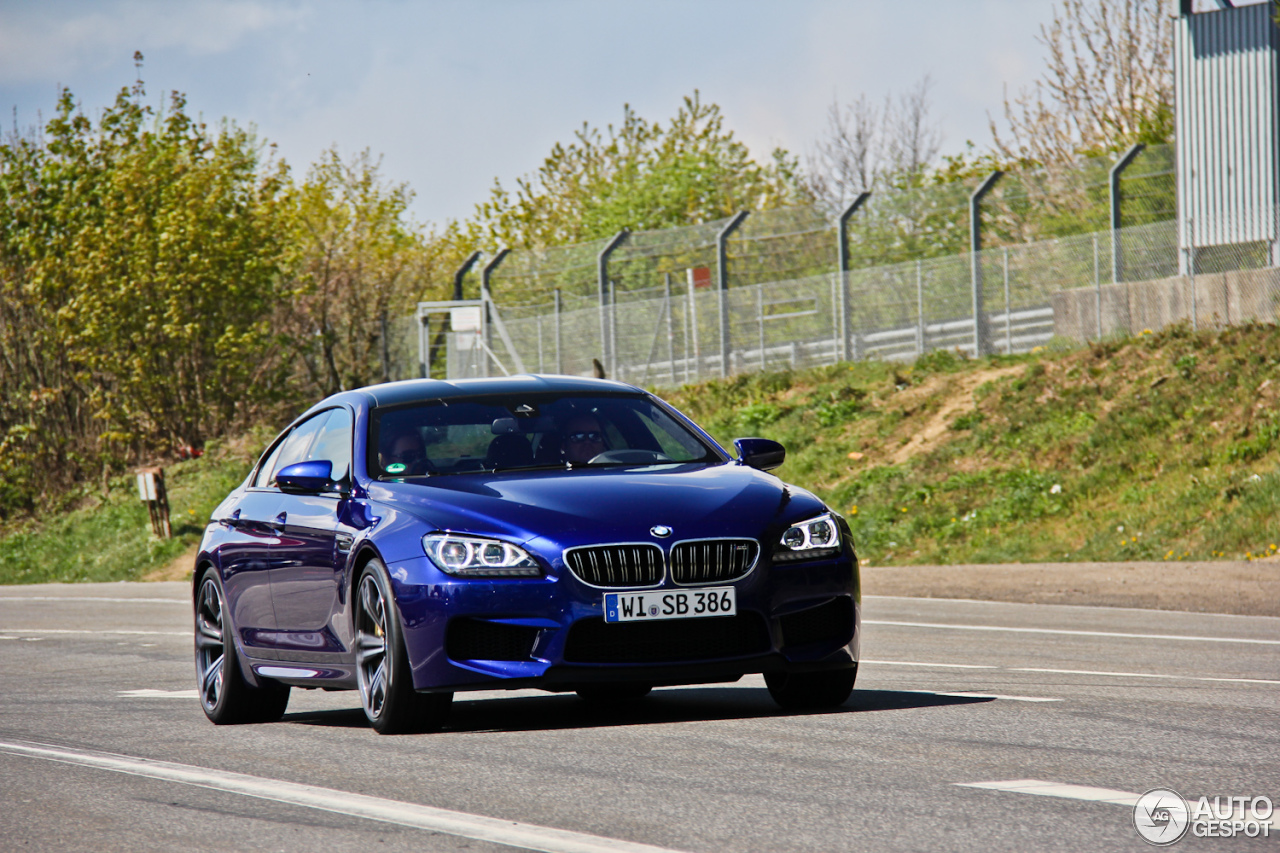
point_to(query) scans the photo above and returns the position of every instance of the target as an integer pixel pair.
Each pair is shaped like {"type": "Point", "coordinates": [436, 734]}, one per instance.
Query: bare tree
{"type": "Point", "coordinates": [864, 146]}
{"type": "Point", "coordinates": [1107, 83]}
{"type": "Point", "coordinates": [911, 140]}
{"type": "Point", "coordinates": [845, 161]}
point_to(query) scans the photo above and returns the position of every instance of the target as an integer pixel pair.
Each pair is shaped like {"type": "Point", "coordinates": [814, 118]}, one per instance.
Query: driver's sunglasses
{"type": "Point", "coordinates": [408, 456]}
{"type": "Point", "coordinates": [579, 437]}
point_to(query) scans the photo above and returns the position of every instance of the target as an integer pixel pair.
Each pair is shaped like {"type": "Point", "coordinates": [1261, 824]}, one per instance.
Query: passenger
{"type": "Point", "coordinates": [583, 439]}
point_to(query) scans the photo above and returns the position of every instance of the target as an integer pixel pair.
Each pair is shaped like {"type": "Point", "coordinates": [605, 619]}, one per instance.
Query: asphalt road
{"type": "Point", "coordinates": [103, 745]}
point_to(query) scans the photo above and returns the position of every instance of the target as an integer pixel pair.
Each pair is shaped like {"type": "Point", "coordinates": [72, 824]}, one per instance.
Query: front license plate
{"type": "Point", "coordinates": [670, 604]}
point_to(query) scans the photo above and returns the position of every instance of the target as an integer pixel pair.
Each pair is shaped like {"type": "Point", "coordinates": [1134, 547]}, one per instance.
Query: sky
{"type": "Point", "coordinates": [455, 94]}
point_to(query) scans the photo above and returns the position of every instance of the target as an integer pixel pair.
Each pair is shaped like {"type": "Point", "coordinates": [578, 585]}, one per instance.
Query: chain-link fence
{"type": "Point", "coordinates": [662, 318]}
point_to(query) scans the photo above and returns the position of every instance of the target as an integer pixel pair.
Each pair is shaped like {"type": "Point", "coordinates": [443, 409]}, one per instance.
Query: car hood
{"type": "Point", "coordinates": [568, 508]}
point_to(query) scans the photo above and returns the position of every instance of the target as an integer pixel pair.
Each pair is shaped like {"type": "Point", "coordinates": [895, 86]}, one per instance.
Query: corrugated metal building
{"type": "Point", "coordinates": [1227, 97]}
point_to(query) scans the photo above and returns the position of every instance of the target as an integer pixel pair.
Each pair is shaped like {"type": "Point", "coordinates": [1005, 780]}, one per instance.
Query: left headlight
{"type": "Point", "coordinates": [472, 556]}
{"type": "Point", "coordinates": [809, 540]}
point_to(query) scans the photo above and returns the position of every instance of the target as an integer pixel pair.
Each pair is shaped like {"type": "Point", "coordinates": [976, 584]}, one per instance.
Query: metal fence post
{"type": "Point", "coordinates": [919, 308]}
{"type": "Point", "coordinates": [692, 368]}
{"type": "Point", "coordinates": [613, 331]}
{"type": "Point", "coordinates": [671, 331]}
{"type": "Point", "coordinates": [1191, 270]}
{"type": "Point", "coordinates": [1275, 235]}
{"type": "Point", "coordinates": [458, 276]}
{"type": "Point", "coordinates": [1097, 287]}
{"type": "Point", "coordinates": [842, 265]}
{"type": "Point", "coordinates": [837, 290]}
{"type": "Point", "coordinates": [722, 276]}
{"type": "Point", "coordinates": [461, 273]}
{"type": "Point", "coordinates": [559, 358]}
{"type": "Point", "coordinates": [424, 344]}
{"type": "Point", "coordinates": [1008, 309]}
{"type": "Point", "coordinates": [602, 283]}
{"type": "Point", "coordinates": [975, 262]}
{"type": "Point", "coordinates": [760, 320]}
{"type": "Point", "coordinates": [486, 296]}
{"type": "Point", "coordinates": [1117, 251]}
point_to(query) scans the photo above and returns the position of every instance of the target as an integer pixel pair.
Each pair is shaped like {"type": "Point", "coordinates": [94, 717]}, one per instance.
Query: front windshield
{"type": "Point", "coordinates": [533, 431]}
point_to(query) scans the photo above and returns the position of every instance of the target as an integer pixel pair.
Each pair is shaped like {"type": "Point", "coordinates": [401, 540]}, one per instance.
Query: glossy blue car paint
{"type": "Point", "coordinates": [288, 559]}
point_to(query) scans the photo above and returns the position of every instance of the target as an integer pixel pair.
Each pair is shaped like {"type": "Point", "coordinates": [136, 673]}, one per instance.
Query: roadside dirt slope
{"type": "Point", "coordinates": [958, 400]}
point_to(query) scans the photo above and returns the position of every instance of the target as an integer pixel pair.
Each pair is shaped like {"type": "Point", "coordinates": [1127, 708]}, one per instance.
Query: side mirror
{"type": "Point", "coordinates": [761, 453]}
{"type": "Point", "coordinates": [307, 477]}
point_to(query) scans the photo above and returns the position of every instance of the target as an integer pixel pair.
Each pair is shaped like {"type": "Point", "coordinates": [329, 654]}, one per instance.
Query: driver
{"type": "Point", "coordinates": [405, 449]}
{"type": "Point", "coordinates": [583, 439]}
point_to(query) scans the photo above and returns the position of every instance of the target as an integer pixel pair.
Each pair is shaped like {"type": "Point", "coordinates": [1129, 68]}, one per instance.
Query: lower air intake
{"type": "Point", "coordinates": [477, 639]}
{"type": "Point", "coordinates": [827, 623]}
{"type": "Point", "coordinates": [667, 641]}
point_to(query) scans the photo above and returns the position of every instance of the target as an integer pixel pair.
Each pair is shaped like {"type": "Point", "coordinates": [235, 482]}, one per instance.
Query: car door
{"type": "Point", "coordinates": [258, 524]}
{"type": "Point", "coordinates": [310, 558]}
{"type": "Point", "coordinates": [244, 556]}
{"type": "Point", "coordinates": [247, 554]}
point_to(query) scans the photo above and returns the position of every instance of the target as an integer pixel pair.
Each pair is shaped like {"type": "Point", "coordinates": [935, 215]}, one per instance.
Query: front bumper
{"type": "Point", "coordinates": [549, 633]}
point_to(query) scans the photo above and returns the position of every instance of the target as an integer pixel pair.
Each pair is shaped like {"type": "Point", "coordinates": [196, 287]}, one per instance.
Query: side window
{"type": "Point", "coordinates": [294, 448]}
{"type": "Point", "coordinates": [334, 444]}
{"type": "Point", "coordinates": [264, 471]}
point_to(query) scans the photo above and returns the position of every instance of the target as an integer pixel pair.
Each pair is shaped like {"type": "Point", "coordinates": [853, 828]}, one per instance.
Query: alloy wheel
{"type": "Point", "coordinates": [371, 647]}
{"type": "Point", "coordinates": [210, 644]}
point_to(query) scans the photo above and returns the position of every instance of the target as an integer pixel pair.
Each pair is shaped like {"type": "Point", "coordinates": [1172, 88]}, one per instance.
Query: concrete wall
{"type": "Point", "coordinates": [1221, 299]}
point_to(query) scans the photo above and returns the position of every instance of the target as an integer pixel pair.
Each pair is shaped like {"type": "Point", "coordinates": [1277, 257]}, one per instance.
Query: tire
{"type": "Point", "coordinates": [809, 691]}
{"type": "Point", "coordinates": [613, 694]}
{"type": "Point", "coordinates": [382, 664]}
{"type": "Point", "coordinates": [225, 696]}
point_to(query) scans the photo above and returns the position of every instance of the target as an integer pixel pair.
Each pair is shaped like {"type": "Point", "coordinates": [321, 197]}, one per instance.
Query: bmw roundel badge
{"type": "Point", "coordinates": [660, 530]}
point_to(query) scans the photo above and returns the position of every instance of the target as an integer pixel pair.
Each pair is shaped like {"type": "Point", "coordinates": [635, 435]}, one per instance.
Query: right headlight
{"type": "Point", "coordinates": [473, 556]}
{"type": "Point", "coordinates": [809, 540]}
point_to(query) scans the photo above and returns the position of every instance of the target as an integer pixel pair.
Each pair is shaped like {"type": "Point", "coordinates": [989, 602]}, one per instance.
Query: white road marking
{"type": "Point", "coordinates": [150, 693]}
{"type": "Point", "coordinates": [525, 836]}
{"type": "Point", "coordinates": [1072, 671]}
{"type": "Point", "coordinates": [103, 631]}
{"type": "Point", "coordinates": [982, 696]}
{"type": "Point", "coordinates": [1058, 789]}
{"type": "Point", "coordinates": [1087, 792]}
{"type": "Point", "coordinates": [951, 626]}
{"type": "Point", "coordinates": [1019, 604]}
{"type": "Point", "coordinates": [1144, 675]}
{"type": "Point", "coordinates": [938, 665]}
{"type": "Point", "coordinates": [184, 601]}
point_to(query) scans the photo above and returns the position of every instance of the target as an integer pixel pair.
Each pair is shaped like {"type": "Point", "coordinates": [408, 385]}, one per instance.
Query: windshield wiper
{"type": "Point", "coordinates": [559, 466]}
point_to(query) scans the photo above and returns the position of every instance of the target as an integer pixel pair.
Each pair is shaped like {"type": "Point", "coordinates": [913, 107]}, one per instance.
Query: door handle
{"type": "Point", "coordinates": [278, 524]}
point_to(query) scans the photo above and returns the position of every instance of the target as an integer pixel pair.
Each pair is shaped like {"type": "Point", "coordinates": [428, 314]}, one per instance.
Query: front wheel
{"type": "Point", "coordinates": [382, 664]}
{"type": "Point", "coordinates": [225, 696]}
{"type": "Point", "coordinates": [807, 691]}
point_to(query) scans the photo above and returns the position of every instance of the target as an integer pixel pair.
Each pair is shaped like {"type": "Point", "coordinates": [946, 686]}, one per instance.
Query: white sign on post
{"type": "Point", "coordinates": [147, 487]}
{"type": "Point", "coordinates": [465, 319]}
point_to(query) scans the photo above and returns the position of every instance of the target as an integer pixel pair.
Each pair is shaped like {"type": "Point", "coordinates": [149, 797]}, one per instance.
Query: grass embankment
{"type": "Point", "coordinates": [108, 537]}
{"type": "Point", "coordinates": [1163, 447]}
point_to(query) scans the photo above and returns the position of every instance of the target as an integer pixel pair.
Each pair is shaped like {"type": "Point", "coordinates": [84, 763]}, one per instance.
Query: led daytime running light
{"type": "Point", "coordinates": [477, 557]}
{"type": "Point", "coordinates": [814, 535]}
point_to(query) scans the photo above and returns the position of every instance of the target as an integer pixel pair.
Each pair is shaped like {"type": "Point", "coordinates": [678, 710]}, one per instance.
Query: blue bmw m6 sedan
{"type": "Point", "coordinates": [415, 539]}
